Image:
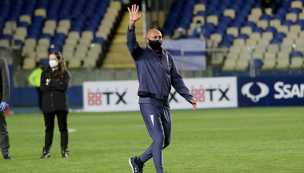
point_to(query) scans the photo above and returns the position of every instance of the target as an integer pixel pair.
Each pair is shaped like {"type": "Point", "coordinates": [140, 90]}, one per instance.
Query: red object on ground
{"type": "Point", "coordinates": [7, 110]}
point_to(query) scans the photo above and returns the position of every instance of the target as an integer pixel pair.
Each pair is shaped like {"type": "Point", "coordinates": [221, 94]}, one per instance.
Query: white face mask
{"type": "Point", "coordinates": [53, 63]}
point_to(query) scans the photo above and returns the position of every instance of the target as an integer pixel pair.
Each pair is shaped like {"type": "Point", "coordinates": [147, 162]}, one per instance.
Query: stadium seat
{"type": "Point", "coordinates": [239, 42]}
{"type": "Point", "coordinates": [267, 35]}
{"type": "Point", "coordinates": [292, 35]}
{"type": "Point", "coordinates": [283, 55]}
{"type": "Point", "coordinates": [241, 64]}
{"type": "Point", "coordinates": [89, 62]}
{"type": "Point", "coordinates": [93, 55]}
{"type": "Point", "coordinates": [199, 7]}
{"type": "Point", "coordinates": [263, 24]}
{"type": "Point", "coordinates": [253, 18]}
{"type": "Point", "coordinates": [50, 24]}
{"type": "Point", "coordinates": [258, 55]}
{"type": "Point", "coordinates": [283, 28]}
{"type": "Point", "coordinates": [229, 65]}
{"type": "Point", "coordinates": [40, 12]}
{"type": "Point", "coordinates": [291, 16]}
{"type": "Point", "coordinates": [268, 64]}
{"type": "Point", "coordinates": [296, 62]}
{"type": "Point", "coordinates": [275, 23]}
{"type": "Point", "coordinates": [229, 12]}
{"type": "Point", "coordinates": [296, 4]}
{"type": "Point", "coordinates": [264, 42]}
{"type": "Point", "coordinates": [29, 63]}
{"type": "Point", "coordinates": [212, 19]}
{"type": "Point", "coordinates": [273, 48]}
{"type": "Point", "coordinates": [87, 35]}
{"type": "Point", "coordinates": [216, 37]}
{"type": "Point", "coordinates": [44, 41]}
{"type": "Point", "coordinates": [295, 28]}
{"type": "Point", "coordinates": [233, 30]}
{"type": "Point", "coordinates": [232, 55]}
{"type": "Point", "coordinates": [245, 56]}
{"type": "Point", "coordinates": [74, 63]}
{"type": "Point", "coordinates": [246, 30]}
{"type": "Point", "coordinates": [282, 64]}
{"type": "Point", "coordinates": [48, 30]}
{"type": "Point", "coordinates": [62, 29]}
{"type": "Point", "coordinates": [251, 42]}
{"type": "Point", "coordinates": [260, 48]}
{"type": "Point", "coordinates": [26, 18]}
{"type": "Point", "coordinates": [256, 12]}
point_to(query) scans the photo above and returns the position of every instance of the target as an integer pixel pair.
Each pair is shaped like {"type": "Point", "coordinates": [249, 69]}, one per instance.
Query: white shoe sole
{"type": "Point", "coordinates": [131, 165]}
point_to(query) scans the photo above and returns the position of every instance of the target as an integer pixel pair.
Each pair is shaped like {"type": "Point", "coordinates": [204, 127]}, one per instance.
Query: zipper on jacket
{"type": "Point", "coordinates": [52, 102]}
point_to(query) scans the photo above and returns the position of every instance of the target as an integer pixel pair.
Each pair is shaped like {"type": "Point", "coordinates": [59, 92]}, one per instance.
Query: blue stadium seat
{"type": "Point", "coordinates": [275, 41]}
{"type": "Point", "coordinates": [280, 35]}
{"type": "Point", "coordinates": [237, 25]}
{"type": "Point", "coordinates": [209, 26]}
{"type": "Point", "coordinates": [222, 26]}
{"type": "Point", "coordinates": [99, 40]}
{"type": "Point", "coordinates": [296, 54]}
{"type": "Point", "coordinates": [201, 13]}
{"type": "Point", "coordinates": [265, 17]}
{"type": "Point", "coordinates": [279, 17]}
{"type": "Point", "coordinates": [243, 36]}
{"type": "Point", "coordinates": [48, 36]}
{"type": "Point", "coordinates": [229, 38]}
{"type": "Point", "coordinates": [250, 24]}
{"type": "Point", "coordinates": [301, 23]}
{"type": "Point", "coordinates": [258, 63]}
{"type": "Point", "coordinates": [296, 10]}
{"type": "Point", "coordinates": [282, 11]}
{"type": "Point", "coordinates": [258, 29]}
{"type": "Point", "coordinates": [225, 43]}
{"type": "Point", "coordinates": [271, 29]}
{"type": "Point", "coordinates": [288, 23]}
{"type": "Point", "coordinates": [23, 24]}
{"type": "Point", "coordinates": [226, 19]}
{"type": "Point", "coordinates": [18, 43]}
{"type": "Point", "coordinates": [7, 37]}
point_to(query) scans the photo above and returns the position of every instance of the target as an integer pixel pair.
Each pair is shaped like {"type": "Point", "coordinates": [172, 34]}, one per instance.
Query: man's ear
{"type": "Point", "coordinates": [147, 40]}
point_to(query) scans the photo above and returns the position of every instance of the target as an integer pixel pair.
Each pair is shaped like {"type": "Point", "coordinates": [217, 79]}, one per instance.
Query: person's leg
{"type": "Point", "coordinates": [40, 97]}
{"type": "Point", "coordinates": [167, 125]}
{"type": "Point", "coordinates": [4, 138]}
{"type": "Point", "coordinates": [49, 129]}
{"type": "Point", "coordinates": [152, 117]}
{"type": "Point", "coordinates": [63, 128]}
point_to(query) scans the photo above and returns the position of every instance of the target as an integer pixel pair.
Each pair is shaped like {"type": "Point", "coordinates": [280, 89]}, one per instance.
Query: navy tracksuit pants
{"type": "Point", "coordinates": [158, 122]}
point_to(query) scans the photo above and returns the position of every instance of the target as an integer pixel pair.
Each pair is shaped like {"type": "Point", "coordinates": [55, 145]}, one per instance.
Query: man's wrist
{"type": "Point", "coordinates": [131, 24]}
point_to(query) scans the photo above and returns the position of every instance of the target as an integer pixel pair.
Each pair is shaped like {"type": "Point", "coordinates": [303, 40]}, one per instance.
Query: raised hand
{"type": "Point", "coordinates": [133, 13]}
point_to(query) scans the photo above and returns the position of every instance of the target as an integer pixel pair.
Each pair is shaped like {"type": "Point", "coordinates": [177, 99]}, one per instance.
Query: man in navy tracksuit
{"type": "Point", "coordinates": [156, 73]}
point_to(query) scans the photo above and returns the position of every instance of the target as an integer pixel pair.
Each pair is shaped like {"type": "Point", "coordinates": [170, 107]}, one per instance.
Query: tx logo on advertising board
{"type": "Point", "coordinates": [199, 94]}
{"type": "Point", "coordinates": [96, 98]}
{"type": "Point", "coordinates": [255, 98]}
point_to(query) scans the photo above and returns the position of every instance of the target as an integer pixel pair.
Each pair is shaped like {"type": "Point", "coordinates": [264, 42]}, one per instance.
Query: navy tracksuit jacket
{"type": "Point", "coordinates": [155, 75]}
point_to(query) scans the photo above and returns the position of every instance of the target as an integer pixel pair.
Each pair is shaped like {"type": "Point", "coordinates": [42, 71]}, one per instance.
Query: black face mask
{"type": "Point", "coordinates": [155, 44]}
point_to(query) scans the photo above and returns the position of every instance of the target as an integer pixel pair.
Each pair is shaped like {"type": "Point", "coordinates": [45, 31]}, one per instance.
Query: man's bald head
{"type": "Point", "coordinates": [153, 34]}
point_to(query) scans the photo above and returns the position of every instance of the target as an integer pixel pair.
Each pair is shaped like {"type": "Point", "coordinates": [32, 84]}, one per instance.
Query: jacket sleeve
{"type": "Point", "coordinates": [64, 85]}
{"type": "Point", "coordinates": [132, 44]}
{"type": "Point", "coordinates": [178, 83]}
{"type": "Point", "coordinates": [5, 81]}
{"type": "Point", "coordinates": [43, 86]}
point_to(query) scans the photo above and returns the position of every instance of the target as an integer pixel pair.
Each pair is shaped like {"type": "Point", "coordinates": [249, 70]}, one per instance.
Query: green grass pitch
{"type": "Point", "coordinates": [216, 140]}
